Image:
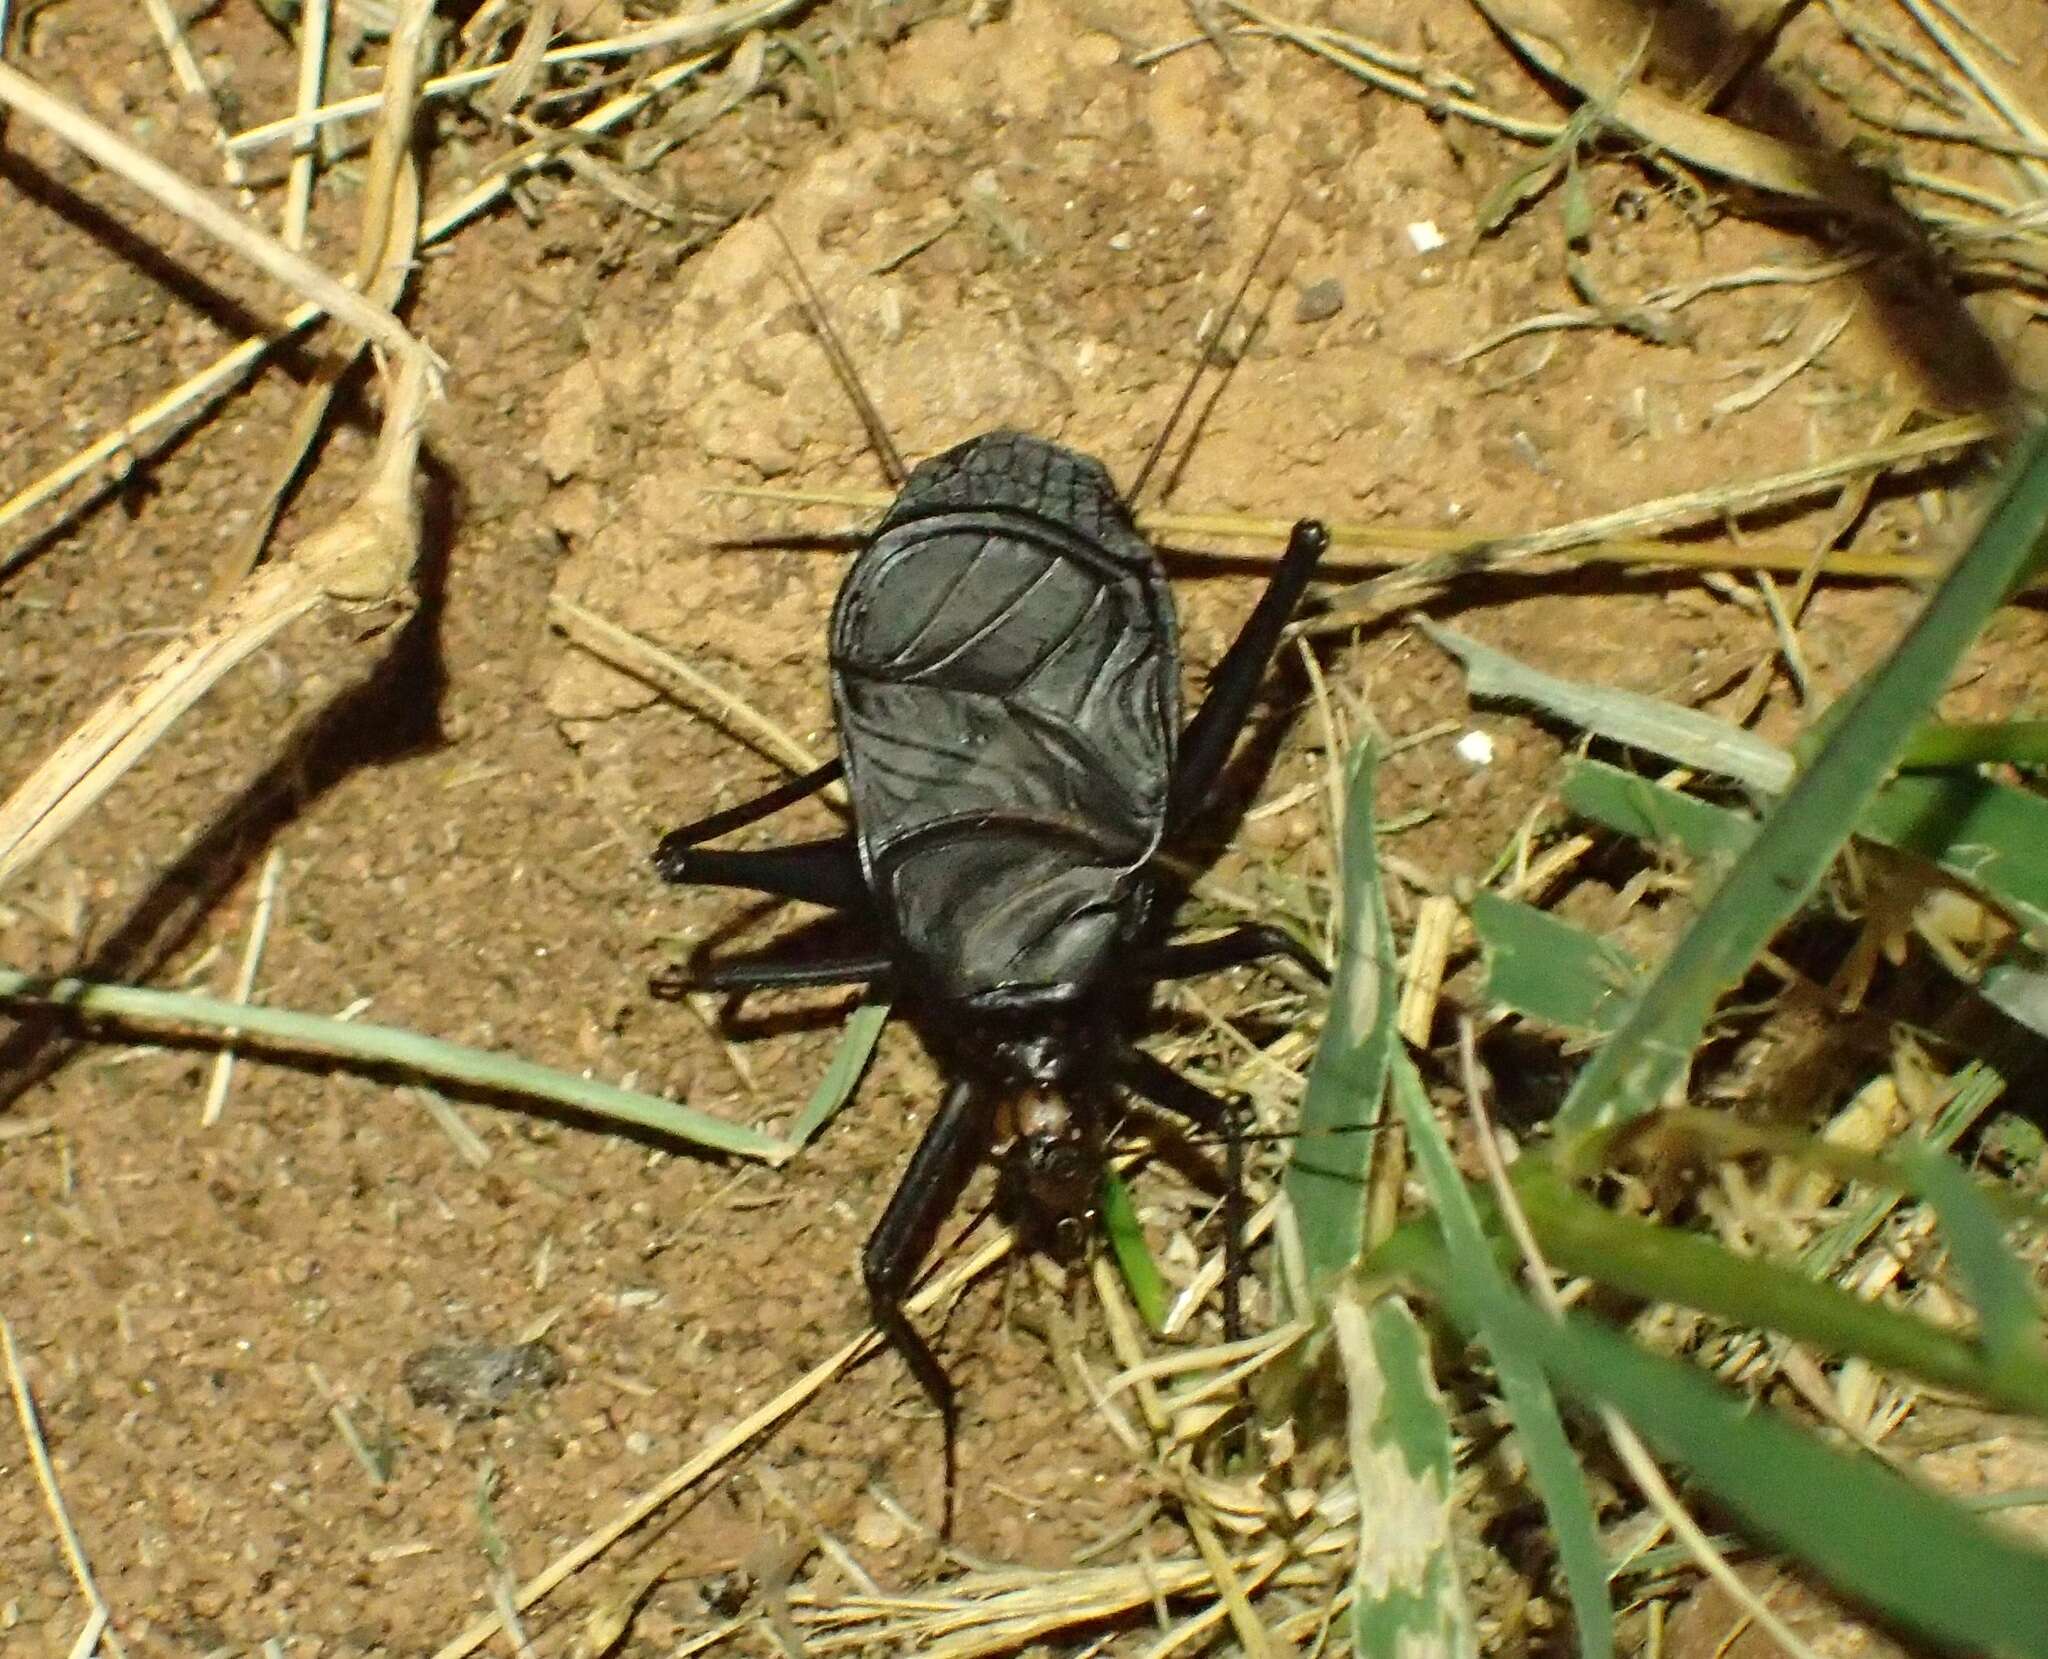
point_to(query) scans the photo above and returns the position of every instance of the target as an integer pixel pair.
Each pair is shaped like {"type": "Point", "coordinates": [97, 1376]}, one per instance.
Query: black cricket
{"type": "Point", "coordinates": [1005, 670]}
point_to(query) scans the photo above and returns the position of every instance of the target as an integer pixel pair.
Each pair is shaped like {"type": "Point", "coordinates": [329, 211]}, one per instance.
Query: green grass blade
{"type": "Point", "coordinates": [1890, 1543]}
{"type": "Point", "coordinates": [1650, 812]}
{"type": "Point", "coordinates": [1679, 734]}
{"type": "Point", "coordinates": [1409, 1595]}
{"type": "Point", "coordinates": [1977, 743]}
{"type": "Point", "coordinates": [1988, 834]}
{"type": "Point", "coordinates": [1551, 970]}
{"type": "Point", "coordinates": [2017, 986]}
{"type": "Point", "coordinates": [1974, 1091]}
{"type": "Point", "coordinates": [1633, 1070]}
{"type": "Point", "coordinates": [1665, 1264]}
{"type": "Point", "coordinates": [842, 1075]}
{"type": "Point", "coordinates": [2008, 1316]}
{"type": "Point", "coordinates": [1553, 1469]}
{"type": "Point", "coordinates": [1347, 1080]}
{"type": "Point", "coordinates": [384, 1045]}
{"type": "Point", "coordinates": [1133, 1255]}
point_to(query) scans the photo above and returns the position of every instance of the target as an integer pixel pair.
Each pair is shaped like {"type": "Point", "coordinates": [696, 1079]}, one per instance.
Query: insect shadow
{"type": "Point", "coordinates": [1005, 672]}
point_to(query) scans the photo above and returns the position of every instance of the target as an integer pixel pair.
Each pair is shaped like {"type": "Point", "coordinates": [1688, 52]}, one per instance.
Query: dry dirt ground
{"type": "Point", "coordinates": [1013, 225]}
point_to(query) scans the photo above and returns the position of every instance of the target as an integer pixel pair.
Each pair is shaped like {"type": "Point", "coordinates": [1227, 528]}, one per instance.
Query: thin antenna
{"type": "Point", "coordinates": [1187, 392]}
{"type": "Point", "coordinates": [842, 366]}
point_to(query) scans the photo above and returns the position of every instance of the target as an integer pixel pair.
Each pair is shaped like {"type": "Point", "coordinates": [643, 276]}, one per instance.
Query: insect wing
{"type": "Point", "coordinates": [1005, 669]}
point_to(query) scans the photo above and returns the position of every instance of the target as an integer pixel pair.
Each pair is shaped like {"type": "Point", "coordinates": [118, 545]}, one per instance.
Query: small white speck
{"type": "Point", "coordinates": [1426, 237]}
{"type": "Point", "coordinates": [1475, 748]}
{"type": "Point", "coordinates": [1121, 242]}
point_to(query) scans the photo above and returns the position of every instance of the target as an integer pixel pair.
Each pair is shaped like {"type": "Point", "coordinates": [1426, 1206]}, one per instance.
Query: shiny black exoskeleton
{"type": "Point", "coordinates": [1005, 669]}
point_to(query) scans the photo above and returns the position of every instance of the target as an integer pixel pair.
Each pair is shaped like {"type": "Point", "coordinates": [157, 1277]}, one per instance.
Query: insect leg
{"type": "Point", "coordinates": [760, 973]}
{"type": "Point", "coordinates": [818, 872]}
{"type": "Point", "coordinates": [1249, 942]}
{"type": "Point", "coordinates": [956, 1141]}
{"type": "Point", "coordinates": [677, 841]}
{"type": "Point", "coordinates": [1159, 1083]}
{"type": "Point", "coordinates": [1206, 743]}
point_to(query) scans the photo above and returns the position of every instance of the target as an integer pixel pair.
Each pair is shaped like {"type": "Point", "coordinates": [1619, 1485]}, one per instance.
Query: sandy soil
{"type": "Point", "coordinates": [1012, 226]}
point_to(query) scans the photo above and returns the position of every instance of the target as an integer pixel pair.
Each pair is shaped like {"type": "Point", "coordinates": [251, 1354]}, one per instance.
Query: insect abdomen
{"type": "Point", "coordinates": [1005, 667]}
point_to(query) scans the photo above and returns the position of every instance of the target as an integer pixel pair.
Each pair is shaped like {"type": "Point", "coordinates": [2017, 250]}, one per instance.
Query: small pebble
{"type": "Point", "coordinates": [1475, 748]}
{"type": "Point", "coordinates": [1319, 301]}
{"type": "Point", "coordinates": [479, 1379]}
{"type": "Point", "coordinates": [1425, 236]}
{"type": "Point", "coordinates": [877, 1529]}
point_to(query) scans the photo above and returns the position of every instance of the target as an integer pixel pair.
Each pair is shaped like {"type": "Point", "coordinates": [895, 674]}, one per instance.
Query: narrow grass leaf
{"type": "Point", "coordinates": [1520, 187]}
{"type": "Point", "coordinates": [1133, 1255]}
{"type": "Point", "coordinates": [1347, 1080]}
{"type": "Point", "coordinates": [842, 1075]}
{"type": "Point", "coordinates": [1888, 1542]}
{"type": "Point", "coordinates": [2008, 1315]}
{"type": "Point", "coordinates": [1551, 970]}
{"type": "Point", "coordinates": [1653, 813]}
{"type": "Point", "coordinates": [384, 1045]}
{"type": "Point", "coordinates": [1679, 734]}
{"type": "Point", "coordinates": [1972, 1092]}
{"type": "Point", "coordinates": [1652, 1050]}
{"type": "Point", "coordinates": [1939, 744]}
{"type": "Point", "coordinates": [1990, 835]}
{"type": "Point", "coordinates": [1553, 1469]}
{"type": "Point", "coordinates": [2017, 986]}
{"type": "Point", "coordinates": [1664, 1264]}
{"type": "Point", "coordinates": [1409, 1596]}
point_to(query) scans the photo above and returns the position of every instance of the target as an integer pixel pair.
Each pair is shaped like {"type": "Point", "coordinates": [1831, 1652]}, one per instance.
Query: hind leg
{"type": "Point", "coordinates": [956, 1141]}
{"type": "Point", "coordinates": [1206, 743]}
{"type": "Point", "coordinates": [817, 872]}
{"type": "Point", "coordinates": [1247, 943]}
{"type": "Point", "coordinates": [761, 806]}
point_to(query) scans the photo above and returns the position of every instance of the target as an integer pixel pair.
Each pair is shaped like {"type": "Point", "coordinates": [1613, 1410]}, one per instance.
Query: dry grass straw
{"type": "Point", "coordinates": [1655, 314]}
{"type": "Point", "coordinates": [364, 557]}
{"type": "Point", "coordinates": [100, 1626]}
{"type": "Point", "coordinates": [940, 1288]}
{"type": "Point", "coordinates": [175, 193]}
{"type": "Point", "coordinates": [1625, 536]}
{"type": "Point", "coordinates": [1397, 73]}
{"type": "Point", "coordinates": [1240, 1556]}
{"type": "Point", "coordinates": [1987, 88]}
{"type": "Point", "coordinates": [245, 986]}
{"type": "Point", "coordinates": [387, 240]}
{"type": "Point", "coordinates": [1685, 510]}
{"type": "Point", "coordinates": [1627, 1444]}
{"type": "Point", "coordinates": [298, 192]}
{"type": "Point", "coordinates": [234, 364]}
{"type": "Point", "coordinates": [1569, 40]}
{"type": "Point", "coordinates": [695, 31]}
{"type": "Point", "coordinates": [642, 658]}
{"type": "Point", "coordinates": [185, 65]}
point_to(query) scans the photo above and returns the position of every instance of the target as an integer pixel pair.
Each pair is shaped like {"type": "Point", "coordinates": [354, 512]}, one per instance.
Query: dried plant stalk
{"type": "Point", "coordinates": [364, 557]}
